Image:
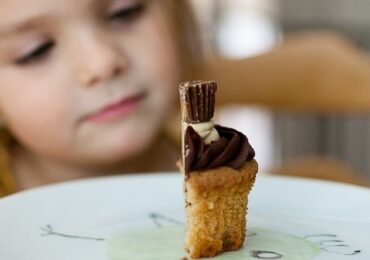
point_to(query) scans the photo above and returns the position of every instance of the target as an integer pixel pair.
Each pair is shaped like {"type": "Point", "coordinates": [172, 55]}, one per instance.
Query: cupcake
{"type": "Point", "coordinates": [219, 171]}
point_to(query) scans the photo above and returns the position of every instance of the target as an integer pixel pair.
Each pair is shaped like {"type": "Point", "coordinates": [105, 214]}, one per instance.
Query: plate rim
{"type": "Point", "coordinates": [108, 178]}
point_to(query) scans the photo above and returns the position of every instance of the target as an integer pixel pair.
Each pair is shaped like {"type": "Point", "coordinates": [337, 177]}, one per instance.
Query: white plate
{"type": "Point", "coordinates": [140, 217]}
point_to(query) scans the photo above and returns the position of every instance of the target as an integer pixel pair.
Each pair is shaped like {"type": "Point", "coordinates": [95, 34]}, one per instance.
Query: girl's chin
{"type": "Point", "coordinates": [127, 149]}
{"type": "Point", "coordinates": [120, 144]}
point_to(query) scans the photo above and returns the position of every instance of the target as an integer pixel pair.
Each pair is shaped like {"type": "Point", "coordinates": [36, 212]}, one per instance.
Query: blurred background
{"type": "Point", "coordinates": [287, 140]}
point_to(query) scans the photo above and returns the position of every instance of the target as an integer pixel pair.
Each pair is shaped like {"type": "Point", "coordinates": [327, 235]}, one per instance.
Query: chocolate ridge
{"type": "Point", "coordinates": [198, 99]}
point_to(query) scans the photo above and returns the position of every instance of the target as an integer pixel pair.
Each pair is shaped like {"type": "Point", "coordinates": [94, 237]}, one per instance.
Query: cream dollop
{"type": "Point", "coordinates": [207, 131]}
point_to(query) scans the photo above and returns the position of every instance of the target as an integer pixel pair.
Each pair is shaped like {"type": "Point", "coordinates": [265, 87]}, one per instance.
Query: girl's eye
{"type": "Point", "coordinates": [127, 14]}
{"type": "Point", "coordinates": [36, 54]}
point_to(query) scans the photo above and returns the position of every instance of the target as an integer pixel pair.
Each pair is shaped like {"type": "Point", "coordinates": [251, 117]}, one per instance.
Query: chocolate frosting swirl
{"type": "Point", "coordinates": [232, 150]}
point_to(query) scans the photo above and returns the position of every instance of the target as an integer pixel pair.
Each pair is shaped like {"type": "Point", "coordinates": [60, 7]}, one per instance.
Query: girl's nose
{"type": "Point", "coordinates": [100, 60]}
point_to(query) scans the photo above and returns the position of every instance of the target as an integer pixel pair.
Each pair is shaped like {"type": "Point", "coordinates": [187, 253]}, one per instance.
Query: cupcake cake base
{"type": "Point", "coordinates": [216, 206]}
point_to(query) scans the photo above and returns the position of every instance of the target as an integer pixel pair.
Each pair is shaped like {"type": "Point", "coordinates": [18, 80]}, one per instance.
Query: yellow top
{"type": "Point", "coordinates": [7, 182]}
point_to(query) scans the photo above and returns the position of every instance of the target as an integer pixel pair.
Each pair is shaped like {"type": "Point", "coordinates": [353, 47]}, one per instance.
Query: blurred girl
{"type": "Point", "coordinates": [86, 86]}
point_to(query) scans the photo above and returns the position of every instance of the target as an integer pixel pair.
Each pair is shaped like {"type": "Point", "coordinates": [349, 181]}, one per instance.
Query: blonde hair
{"type": "Point", "coordinates": [187, 35]}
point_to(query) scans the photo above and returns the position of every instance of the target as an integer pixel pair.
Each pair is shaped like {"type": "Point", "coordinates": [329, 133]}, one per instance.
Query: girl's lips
{"type": "Point", "coordinates": [117, 110]}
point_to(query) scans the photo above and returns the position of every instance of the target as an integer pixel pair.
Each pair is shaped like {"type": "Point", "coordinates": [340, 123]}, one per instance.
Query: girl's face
{"type": "Point", "coordinates": [86, 81]}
